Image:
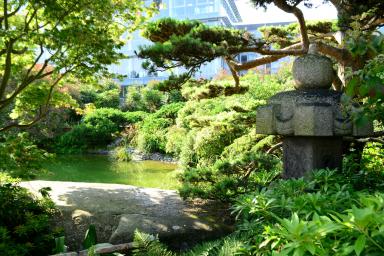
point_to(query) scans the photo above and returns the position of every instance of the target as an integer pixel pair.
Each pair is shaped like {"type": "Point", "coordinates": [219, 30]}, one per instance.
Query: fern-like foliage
{"type": "Point", "coordinates": [149, 245]}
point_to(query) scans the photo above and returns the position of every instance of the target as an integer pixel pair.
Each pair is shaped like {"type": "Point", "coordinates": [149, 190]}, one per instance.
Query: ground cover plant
{"type": "Point", "coordinates": [329, 212]}
{"type": "Point", "coordinates": [24, 220]}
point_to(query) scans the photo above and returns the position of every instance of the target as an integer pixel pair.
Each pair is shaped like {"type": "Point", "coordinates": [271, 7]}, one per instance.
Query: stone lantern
{"type": "Point", "coordinates": [310, 119]}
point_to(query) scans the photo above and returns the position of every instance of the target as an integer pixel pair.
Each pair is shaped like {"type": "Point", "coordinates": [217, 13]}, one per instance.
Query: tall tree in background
{"type": "Point", "coordinates": [191, 43]}
{"type": "Point", "coordinates": [44, 41]}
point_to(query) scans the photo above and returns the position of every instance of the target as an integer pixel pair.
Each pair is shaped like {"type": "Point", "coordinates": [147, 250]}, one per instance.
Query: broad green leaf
{"type": "Point", "coordinates": [359, 244]}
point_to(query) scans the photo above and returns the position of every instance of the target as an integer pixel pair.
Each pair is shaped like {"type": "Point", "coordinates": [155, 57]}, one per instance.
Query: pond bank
{"type": "Point", "coordinates": [137, 155]}
{"type": "Point", "coordinates": [117, 210]}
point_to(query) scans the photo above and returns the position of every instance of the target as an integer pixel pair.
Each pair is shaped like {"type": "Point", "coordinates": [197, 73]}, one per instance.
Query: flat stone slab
{"type": "Point", "coordinates": [117, 210]}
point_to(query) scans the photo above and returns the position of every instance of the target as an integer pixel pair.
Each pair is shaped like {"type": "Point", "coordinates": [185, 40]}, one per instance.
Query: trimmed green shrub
{"type": "Point", "coordinates": [98, 129]}
{"type": "Point", "coordinates": [97, 117]}
{"type": "Point", "coordinates": [170, 110]}
{"type": "Point", "coordinates": [144, 99]}
{"type": "Point", "coordinates": [227, 178]}
{"type": "Point", "coordinates": [175, 140]}
{"type": "Point", "coordinates": [152, 134]}
{"type": "Point", "coordinates": [108, 99]}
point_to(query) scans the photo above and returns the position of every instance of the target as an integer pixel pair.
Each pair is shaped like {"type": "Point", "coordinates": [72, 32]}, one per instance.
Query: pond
{"type": "Point", "coordinates": [99, 168]}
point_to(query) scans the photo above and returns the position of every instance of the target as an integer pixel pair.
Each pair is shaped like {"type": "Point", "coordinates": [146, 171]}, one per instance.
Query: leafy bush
{"type": "Point", "coordinates": [169, 110]}
{"type": "Point", "coordinates": [104, 94]}
{"type": "Point", "coordinates": [108, 99]}
{"type": "Point", "coordinates": [321, 216]}
{"type": "Point", "coordinates": [83, 137]}
{"type": "Point", "coordinates": [24, 221]}
{"type": "Point", "coordinates": [152, 131]}
{"type": "Point", "coordinates": [134, 117]}
{"type": "Point", "coordinates": [202, 89]}
{"type": "Point", "coordinates": [227, 178]}
{"type": "Point", "coordinates": [121, 154]}
{"type": "Point", "coordinates": [78, 139]}
{"type": "Point", "coordinates": [144, 99]}
{"type": "Point", "coordinates": [97, 129]}
{"type": "Point", "coordinates": [152, 134]}
{"type": "Point", "coordinates": [20, 157]}
{"type": "Point", "coordinates": [365, 87]}
{"type": "Point", "coordinates": [149, 245]}
{"type": "Point", "coordinates": [175, 140]}
{"type": "Point", "coordinates": [368, 172]}
{"type": "Point", "coordinates": [99, 116]}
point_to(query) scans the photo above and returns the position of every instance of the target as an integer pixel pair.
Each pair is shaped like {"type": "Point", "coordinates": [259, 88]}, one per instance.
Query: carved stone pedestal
{"type": "Point", "coordinates": [310, 153]}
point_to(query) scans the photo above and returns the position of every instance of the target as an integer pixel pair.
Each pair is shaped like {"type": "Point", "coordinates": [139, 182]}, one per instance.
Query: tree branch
{"type": "Point", "coordinates": [281, 4]}
{"type": "Point", "coordinates": [18, 125]}
{"type": "Point", "coordinates": [337, 84]}
{"type": "Point", "coordinates": [7, 69]}
{"type": "Point", "coordinates": [342, 56]}
{"type": "Point", "coordinates": [43, 110]}
{"type": "Point", "coordinates": [233, 70]}
{"type": "Point", "coordinates": [6, 25]}
{"type": "Point", "coordinates": [274, 148]}
{"type": "Point", "coordinates": [264, 59]}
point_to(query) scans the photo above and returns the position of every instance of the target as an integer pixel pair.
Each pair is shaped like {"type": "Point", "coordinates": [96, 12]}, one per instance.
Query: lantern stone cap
{"type": "Point", "coordinates": [312, 71]}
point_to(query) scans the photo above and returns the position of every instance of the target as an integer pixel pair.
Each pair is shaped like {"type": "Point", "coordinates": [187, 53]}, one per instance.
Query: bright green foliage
{"type": "Point", "coordinates": [227, 178]}
{"type": "Point", "coordinates": [321, 216]}
{"type": "Point", "coordinates": [103, 115]}
{"type": "Point", "coordinates": [366, 88]}
{"type": "Point", "coordinates": [24, 221]}
{"type": "Point", "coordinates": [144, 99]}
{"type": "Point", "coordinates": [97, 129]}
{"type": "Point", "coordinates": [372, 162]}
{"type": "Point", "coordinates": [34, 100]}
{"type": "Point", "coordinates": [203, 89]}
{"type": "Point", "coordinates": [152, 134]}
{"type": "Point", "coordinates": [175, 140]}
{"type": "Point", "coordinates": [120, 154]}
{"type": "Point", "coordinates": [149, 245]}
{"type": "Point", "coordinates": [169, 110]}
{"type": "Point", "coordinates": [103, 94]}
{"type": "Point", "coordinates": [20, 157]}
{"type": "Point", "coordinates": [216, 142]}
{"type": "Point", "coordinates": [108, 99]}
{"type": "Point", "coordinates": [90, 238]}
{"type": "Point", "coordinates": [174, 82]}
{"type": "Point", "coordinates": [152, 131]}
{"type": "Point", "coordinates": [282, 36]}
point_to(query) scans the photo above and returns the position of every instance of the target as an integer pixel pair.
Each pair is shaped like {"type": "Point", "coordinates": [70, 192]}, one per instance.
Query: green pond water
{"type": "Point", "coordinates": [98, 168]}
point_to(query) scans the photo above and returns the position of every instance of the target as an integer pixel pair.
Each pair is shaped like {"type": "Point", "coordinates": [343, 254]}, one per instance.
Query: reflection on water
{"type": "Point", "coordinates": [97, 168]}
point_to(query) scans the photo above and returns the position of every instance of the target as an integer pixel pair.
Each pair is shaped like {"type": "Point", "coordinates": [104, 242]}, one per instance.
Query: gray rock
{"type": "Point", "coordinates": [117, 210]}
